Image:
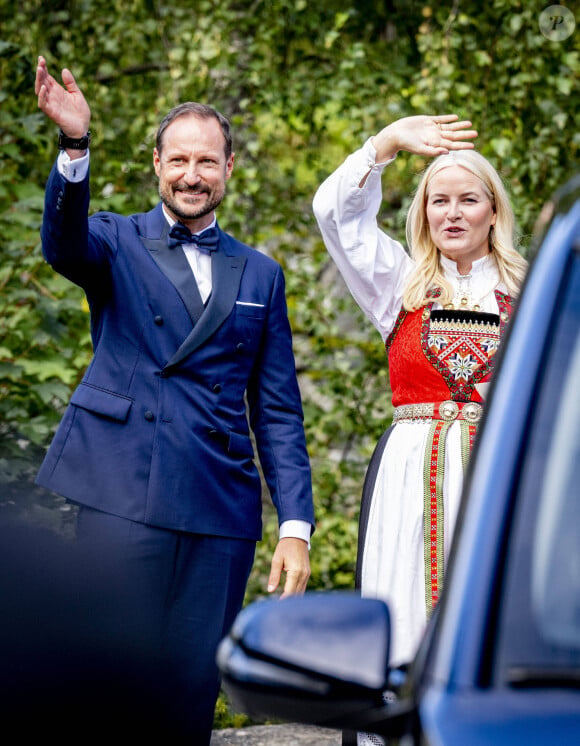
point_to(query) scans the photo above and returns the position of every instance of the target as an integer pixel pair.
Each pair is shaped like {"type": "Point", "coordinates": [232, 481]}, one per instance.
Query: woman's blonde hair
{"type": "Point", "coordinates": [428, 273]}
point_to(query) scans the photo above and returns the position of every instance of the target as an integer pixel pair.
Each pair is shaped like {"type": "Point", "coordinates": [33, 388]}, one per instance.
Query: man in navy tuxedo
{"type": "Point", "coordinates": [192, 348]}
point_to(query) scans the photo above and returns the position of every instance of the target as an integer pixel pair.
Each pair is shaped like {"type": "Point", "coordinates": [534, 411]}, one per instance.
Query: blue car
{"type": "Point", "coordinates": [500, 660]}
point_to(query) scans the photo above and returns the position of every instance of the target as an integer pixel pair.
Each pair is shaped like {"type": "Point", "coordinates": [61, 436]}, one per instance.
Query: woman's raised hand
{"type": "Point", "coordinates": [424, 135]}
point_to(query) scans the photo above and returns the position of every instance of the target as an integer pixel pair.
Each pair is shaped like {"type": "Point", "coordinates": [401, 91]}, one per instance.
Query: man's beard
{"type": "Point", "coordinates": [192, 213]}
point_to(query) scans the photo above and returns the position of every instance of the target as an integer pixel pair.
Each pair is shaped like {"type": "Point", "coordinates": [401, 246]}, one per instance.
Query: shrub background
{"type": "Point", "coordinates": [304, 84]}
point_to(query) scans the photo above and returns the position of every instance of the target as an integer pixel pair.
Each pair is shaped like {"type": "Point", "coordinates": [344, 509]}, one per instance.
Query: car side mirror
{"type": "Point", "coordinates": [320, 658]}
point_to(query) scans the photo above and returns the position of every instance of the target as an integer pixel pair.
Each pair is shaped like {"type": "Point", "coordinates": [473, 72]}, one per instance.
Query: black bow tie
{"type": "Point", "coordinates": [207, 241]}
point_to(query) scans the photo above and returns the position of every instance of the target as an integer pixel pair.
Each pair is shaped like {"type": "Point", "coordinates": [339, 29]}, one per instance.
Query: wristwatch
{"type": "Point", "coordinates": [73, 143]}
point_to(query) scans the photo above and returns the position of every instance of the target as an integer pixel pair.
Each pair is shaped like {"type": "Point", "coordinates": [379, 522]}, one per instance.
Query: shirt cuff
{"type": "Point", "coordinates": [296, 530]}
{"type": "Point", "coordinates": [371, 155]}
{"type": "Point", "coordinates": [73, 171]}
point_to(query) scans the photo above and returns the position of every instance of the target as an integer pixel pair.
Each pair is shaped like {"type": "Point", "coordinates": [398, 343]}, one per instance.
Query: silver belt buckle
{"type": "Point", "coordinates": [472, 411]}
{"type": "Point", "coordinates": [448, 410]}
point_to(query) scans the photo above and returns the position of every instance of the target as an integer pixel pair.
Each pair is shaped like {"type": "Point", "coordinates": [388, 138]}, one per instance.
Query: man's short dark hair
{"type": "Point", "coordinates": [203, 111]}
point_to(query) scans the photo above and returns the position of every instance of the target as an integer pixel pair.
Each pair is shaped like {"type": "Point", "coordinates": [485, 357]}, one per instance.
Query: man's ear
{"type": "Point", "coordinates": [230, 165]}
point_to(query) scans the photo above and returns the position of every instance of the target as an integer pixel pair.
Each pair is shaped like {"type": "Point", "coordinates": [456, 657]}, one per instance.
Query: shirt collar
{"type": "Point", "coordinates": [479, 266]}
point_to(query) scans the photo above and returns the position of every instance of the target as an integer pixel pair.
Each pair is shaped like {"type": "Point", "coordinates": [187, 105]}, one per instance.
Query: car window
{"type": "Point", "coordinates": [538, 633]}
{"type": "Point", "coordinates": [555, 570]}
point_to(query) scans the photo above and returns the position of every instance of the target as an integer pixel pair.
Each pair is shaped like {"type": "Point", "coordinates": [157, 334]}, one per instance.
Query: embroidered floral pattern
{"type": "Point", "coordinates": [462, 368]}
{"type": "Point", "coordinates": [490, 345]}
{"type": "Point", "coordinates": [463, 350]}
{"type": "Point", "coordinates": [398, 323]}
{"type": "Point", "coordinates": [437, 342]}
{"type": "Point", "coordinates": [433, 513]}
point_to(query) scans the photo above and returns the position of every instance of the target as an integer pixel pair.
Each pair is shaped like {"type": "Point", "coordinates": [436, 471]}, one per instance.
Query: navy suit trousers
{"type": "Point", "coordinates": [191, 587]}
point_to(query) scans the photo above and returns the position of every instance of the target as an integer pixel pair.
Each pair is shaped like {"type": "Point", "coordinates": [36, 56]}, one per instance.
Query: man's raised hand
{"type": "Point", "coordinates": [64, 104]}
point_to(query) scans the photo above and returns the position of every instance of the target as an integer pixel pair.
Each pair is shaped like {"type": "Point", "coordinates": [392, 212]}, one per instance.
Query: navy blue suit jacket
{"type": "Point", "coordinates": [158, 429]}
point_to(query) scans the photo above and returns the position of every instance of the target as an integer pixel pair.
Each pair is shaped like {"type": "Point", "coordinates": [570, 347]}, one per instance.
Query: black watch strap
{"type": "Point", "coordinates": [73, 143]}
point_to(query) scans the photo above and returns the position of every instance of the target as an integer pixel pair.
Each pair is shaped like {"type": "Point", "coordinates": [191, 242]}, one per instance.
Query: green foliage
{"type": "Point", "coordinates": [303, 84]}
{"type": "Point", "coordinates": [224, 717]}
{"type": "Point", "coordinates": [496, 68]}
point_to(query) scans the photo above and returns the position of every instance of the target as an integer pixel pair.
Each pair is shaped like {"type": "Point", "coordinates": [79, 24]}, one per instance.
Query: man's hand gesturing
{"type": "Point", "coordinates": [66, 106]}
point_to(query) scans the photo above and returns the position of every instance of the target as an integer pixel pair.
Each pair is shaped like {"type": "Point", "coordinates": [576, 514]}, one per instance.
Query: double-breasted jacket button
{"type": "Point", "coordinates": [216, 388]}
{"type": "Point", "coordinates": [240, 347]}
{"type": "Point", "coordinates": [149, 416]}
{"type": "Point", "coordinates": [158, 320]}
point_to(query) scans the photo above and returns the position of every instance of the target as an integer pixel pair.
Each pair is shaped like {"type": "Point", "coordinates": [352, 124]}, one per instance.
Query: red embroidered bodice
{"type": "Point", "coordinates": [439, 355]}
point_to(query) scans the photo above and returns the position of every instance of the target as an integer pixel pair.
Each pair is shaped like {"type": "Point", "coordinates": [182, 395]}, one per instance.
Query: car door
{"type": "Point", "coordinates": [506, 656]}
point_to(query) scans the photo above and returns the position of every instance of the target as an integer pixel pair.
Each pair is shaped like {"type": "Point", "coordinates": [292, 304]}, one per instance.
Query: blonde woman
{"type": "Point", "coordinates": [441, 309]}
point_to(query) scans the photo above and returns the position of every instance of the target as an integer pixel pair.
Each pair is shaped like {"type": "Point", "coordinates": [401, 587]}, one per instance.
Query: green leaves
{"type": "Point", "coordinates": [303, 84]}
{"type": "Point", "coordinates": [303, 88]}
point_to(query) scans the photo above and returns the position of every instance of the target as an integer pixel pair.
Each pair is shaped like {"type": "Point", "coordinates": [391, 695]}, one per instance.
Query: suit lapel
{"type": "Point", "coordinates": [226, 271]}
{"type": "Point", "coordinates": [174, 265]}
